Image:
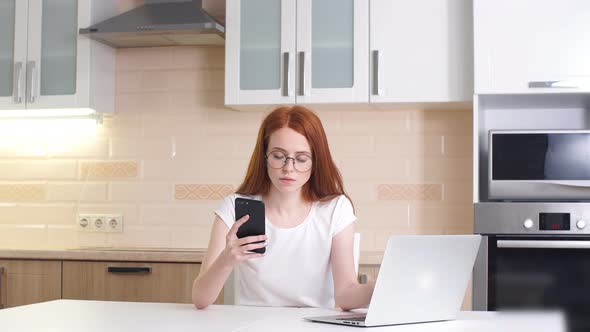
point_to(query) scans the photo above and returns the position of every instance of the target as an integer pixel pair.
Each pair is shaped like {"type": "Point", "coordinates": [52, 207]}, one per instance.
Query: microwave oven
{"type": "Point", "coordinates": [539, 165]}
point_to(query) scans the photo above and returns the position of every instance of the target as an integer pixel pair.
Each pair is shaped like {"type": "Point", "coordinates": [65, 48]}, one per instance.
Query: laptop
{"type": "Point", "coordinates": [423, 278]}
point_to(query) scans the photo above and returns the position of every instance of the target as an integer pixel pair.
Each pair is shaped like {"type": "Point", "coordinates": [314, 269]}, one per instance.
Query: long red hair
{"type": "Point", "coordinates": [325, 182]}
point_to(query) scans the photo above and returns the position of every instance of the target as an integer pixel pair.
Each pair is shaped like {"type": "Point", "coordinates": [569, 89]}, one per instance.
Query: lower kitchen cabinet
{"type": "Point", "coordinates": [128, 281]}
{"type": "Point", "coordinates": [29, 281]}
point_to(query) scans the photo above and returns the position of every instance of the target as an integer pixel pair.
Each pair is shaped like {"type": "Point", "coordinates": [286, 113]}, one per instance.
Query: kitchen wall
{"type": "Point", "coordinates": [172, 151]}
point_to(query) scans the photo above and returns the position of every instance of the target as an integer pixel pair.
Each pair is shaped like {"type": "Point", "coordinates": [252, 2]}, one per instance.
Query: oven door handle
{"type": "Point", "coordinates": [543, 244]}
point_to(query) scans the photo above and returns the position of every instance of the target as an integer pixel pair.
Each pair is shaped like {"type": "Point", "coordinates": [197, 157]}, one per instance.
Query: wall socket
{"type": "Point", "coordinates": [103, 223]}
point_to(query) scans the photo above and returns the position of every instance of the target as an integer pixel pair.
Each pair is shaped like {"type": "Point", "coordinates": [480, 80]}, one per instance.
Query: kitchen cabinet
{"type": "Point", "coordinates": [129, 281]}
{"type": "Point", "coordinates": [29, 281]}
{"type": "Point", "coordinates": [118, 281]}
{"type": "Point", "coordinates": [46, 64]}
{"type": "Point", "coordinates": [296, 51]}
{"type": "Point", "coordinates": [532, 46]}
{"type": "Point", "coordinates": [421, 51]}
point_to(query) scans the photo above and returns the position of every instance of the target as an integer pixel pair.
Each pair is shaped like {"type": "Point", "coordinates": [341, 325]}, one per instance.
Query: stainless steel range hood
{"type": "Point", "coordinates": [159, 23]}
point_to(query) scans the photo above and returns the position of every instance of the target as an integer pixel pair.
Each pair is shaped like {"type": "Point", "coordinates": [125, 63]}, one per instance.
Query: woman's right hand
{"type": "Point", "coordinates": [237, 250]}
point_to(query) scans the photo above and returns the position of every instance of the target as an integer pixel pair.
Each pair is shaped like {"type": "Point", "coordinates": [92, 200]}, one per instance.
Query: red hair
{"type": "Point", "coordinates": [325, 182]}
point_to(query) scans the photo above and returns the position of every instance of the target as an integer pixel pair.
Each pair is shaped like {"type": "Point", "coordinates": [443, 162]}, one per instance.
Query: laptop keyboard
{"type": "Point", "coordinates": [354, 319]}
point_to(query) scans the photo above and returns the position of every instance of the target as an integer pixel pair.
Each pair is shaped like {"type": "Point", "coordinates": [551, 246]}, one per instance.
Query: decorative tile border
{"type": "Point", "coordinates": [202, 191]}
{"type": "Point", "coordinates": [410, 192]}
{"type": "Point", "coordinates": [22, 192]}
{"type": "Point", "coordinates": [108, 169]}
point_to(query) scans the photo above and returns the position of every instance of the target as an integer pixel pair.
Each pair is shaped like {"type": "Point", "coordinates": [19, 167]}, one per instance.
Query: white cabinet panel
{"type": "Point", "coordinates": [421, 51]}
{"type": "Point", "coordinates": [527, 46]}
{"type": "Point", "coordinates": [13, 53]}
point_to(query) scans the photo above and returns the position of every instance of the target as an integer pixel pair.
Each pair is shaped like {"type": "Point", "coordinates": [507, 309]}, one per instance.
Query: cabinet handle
{"type": "Point", "coordinates": [1, 287]}
{"type": "Point", "coordinates": [376, 71]}
{"type": "Point", "coordinates": [18, 82]}
{"type": "Point", "coordinates": [553, 84]}
{"type": "Point", "coordinates": [129, 270]}
{"type": "Point", "coordinates": [286, 74]}
{"type": "Point", "coordinates": [302, 73]}
{"type": "Point", "coordinates": [32, 79]}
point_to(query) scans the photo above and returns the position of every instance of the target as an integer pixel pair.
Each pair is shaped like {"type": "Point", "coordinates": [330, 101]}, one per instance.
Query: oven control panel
{"type": "Point", "coordinates": [532, 218]}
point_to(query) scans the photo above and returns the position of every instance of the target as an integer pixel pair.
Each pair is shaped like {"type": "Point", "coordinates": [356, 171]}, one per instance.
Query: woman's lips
{"type": "Point", "coordinates": [286, 180]}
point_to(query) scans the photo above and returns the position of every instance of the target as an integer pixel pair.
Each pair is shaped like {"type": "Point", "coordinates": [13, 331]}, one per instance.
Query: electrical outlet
{"type": "Point", "coordinates": [97, 223]}
{"type": "Point", "coordinates": [83, 222]}
{"type": "Point", "coordinates": [114, 223]}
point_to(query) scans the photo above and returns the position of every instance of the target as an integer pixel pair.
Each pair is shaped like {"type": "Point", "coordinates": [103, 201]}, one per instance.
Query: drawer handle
{"type": "Point", "coordinates": [129, 270]}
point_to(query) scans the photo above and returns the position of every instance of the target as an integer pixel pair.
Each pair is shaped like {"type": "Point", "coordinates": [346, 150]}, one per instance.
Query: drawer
{"type": "Point", "coordinates": [128, 281]}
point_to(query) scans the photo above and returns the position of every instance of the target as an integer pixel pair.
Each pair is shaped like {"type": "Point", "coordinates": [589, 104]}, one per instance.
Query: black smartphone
{"type": "Point", "coordinates": [255, 225]}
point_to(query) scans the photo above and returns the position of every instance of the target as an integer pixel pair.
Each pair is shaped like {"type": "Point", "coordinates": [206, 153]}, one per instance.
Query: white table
{"type": "Point", "coordinates": [102, 316]}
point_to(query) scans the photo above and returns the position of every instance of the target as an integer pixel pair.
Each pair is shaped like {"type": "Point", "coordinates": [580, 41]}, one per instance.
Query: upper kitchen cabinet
{"type": "Point", "coordinates": [532, 46]}
{"type": "Point", "coordinates": [44, 62]}
{"type": "Point", "coordinates": [421, 51]}
{"type": "Point", "coordinates": [296, 51]}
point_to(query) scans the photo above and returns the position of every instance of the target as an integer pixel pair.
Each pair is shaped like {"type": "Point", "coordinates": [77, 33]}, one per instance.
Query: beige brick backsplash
{"type": "Point", "coordinates": [84, 148]}
{"type": "Point", "coordinates": [194, 237]}
{"type": "Point", "coordinates": [216, 147]}
{"type": "Point", "coordinates": [374, 122]}
{"type": "Point", "coordinates": [144, 147]}
{"type": "Point", "coordinates": [199, 214]}
{"type": "Point", "coordinates": [196, 101]}
{"type": "Point", "coordinates": [383, 216]}
{"type": "Point", "coordinates": [90, 239]}
{"type": "Point", "coordinates": [62, 236]}
{"type": "Point", "coordinates": [374, 168]}
{"type": "Point", "coordinates": [143, 58]}
{"type": "Point", "coordinates": [202, 191]}
{"type": "Point", "coordinates": [37, 214]}
{"type": "Point", "coordinates": [170, 170]}
{"type": "Point", "coordinates": [148, 102]}
{"type": "Point", "coordinates": [197, 57]}
{"type": "Point", "coordinates": [15, 192]}
{"type": "Point", "coordinates": [409, 192]}
{"type": "Point", "coordinates": [440, 169]}
{"type": "Point", "coordinates": [458, 146]}
{"type": "Point", "coordinates": [38, 170]}
{"type": "Point", "coordinates": [23, 236]}
{"type": "Point", "coordinates": [441, 122]}
{"type": "Point", "coordinates": [85, 191]}
{"type": "Point", "coordinates": [139, 192]}
{"type": "Point", "coordinates": [438, 219]}
{"type": "Point", "coordinates": [128, 82]}
{"type": "Point", "coordinates": [458, 192]}
{"type": "Point", "coordinates": [395, 146]}
{"type": "Point", "coordinates": [232, 123]}
{"type": "Point", "coordinates": [108, 169]}
{"type": "Point", "coordinates": [352, 146]}
{"type": "Point", "coordinates": [123, 124]}
{"type": "Point", "coordinates": [158, 125]}
{"type": "Point", "coordinates": [139, 236]}
{"type": "Point", "coordinates": [361, 191]}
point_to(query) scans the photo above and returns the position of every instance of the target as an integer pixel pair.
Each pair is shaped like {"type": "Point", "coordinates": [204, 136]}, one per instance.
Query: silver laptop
{"type": "Point", "coordinates": [423, 278]}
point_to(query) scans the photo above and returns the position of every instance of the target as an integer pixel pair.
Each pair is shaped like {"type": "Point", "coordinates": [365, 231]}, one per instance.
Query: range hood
{"type": "Point", "coordinates": [159, 23]}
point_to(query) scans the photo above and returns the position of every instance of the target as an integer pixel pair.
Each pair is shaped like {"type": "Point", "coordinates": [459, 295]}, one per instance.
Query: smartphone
{"type": "Point", "coordinates": [256, 224]}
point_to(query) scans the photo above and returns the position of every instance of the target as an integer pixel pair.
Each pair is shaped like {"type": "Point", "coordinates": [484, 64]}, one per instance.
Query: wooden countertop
{"type": "Point", "coordinates": [178, 255]}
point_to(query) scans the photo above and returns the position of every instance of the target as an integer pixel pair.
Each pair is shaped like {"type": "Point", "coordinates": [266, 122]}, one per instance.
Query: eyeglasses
{"type": "Point", "coordinates": [301, 162]}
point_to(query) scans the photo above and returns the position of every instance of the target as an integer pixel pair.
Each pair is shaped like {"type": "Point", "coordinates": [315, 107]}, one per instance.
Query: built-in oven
{"type": "Point", "coordinates": [541, 165]}
{"type": "Point", "coordinates": [534, 256]}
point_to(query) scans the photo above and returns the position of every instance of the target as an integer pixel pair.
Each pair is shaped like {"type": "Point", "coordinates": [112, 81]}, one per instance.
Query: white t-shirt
{"type": "Point", "coordinates": [295, 270]}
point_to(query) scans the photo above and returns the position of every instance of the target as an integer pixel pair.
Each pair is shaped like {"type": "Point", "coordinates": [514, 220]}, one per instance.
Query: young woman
{"type": "Point", "coordinates": [309, 226]}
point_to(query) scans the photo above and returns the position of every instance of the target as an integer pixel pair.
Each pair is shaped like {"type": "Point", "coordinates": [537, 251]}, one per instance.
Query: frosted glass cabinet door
{"type": "Point", "coordinates": [13, 52]}
{"type": "Point", "coordinates": [332, 51]}
{"type": "Point", "coordinates": [260, 46]}
{"type": "Point", "coordinates": [57, 56]}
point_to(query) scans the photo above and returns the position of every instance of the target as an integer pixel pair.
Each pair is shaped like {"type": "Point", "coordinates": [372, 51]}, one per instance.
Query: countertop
{"type": "Point", "coordinates": [99, 316]}
{"type": "Point", "coordinates": [178, 255]}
